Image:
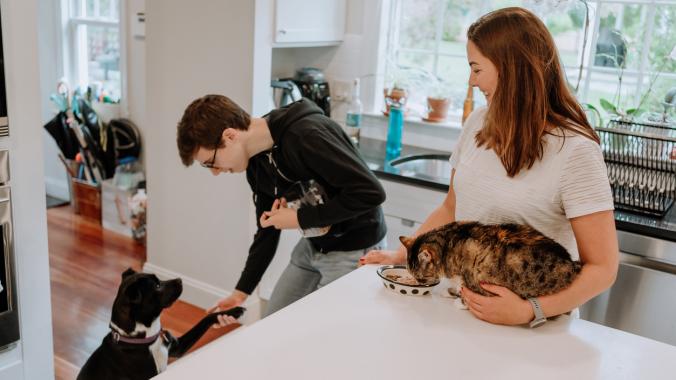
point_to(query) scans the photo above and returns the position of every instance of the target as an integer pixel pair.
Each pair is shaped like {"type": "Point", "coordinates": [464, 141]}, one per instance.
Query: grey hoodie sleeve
{"type": "Point", "coordinates": [333, 158]}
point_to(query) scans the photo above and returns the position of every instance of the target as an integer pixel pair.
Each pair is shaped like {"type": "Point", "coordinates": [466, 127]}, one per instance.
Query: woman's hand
{"type": "Point", "coordinates": [505, 308]}
{"type": "Point", "coordinates": [280, 216]}
{"type": "Point", "coordinates": [383, 257]}
{"type": "Point", "coordinates": [237, 298]}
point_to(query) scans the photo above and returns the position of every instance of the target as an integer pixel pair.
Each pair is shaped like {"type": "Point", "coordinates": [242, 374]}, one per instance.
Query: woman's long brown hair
{"type": "Point", "coordinates": [531, 96]}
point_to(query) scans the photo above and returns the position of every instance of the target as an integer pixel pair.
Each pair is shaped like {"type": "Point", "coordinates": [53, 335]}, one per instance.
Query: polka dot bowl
{"type": "Point", "coordinates": [388, 273]}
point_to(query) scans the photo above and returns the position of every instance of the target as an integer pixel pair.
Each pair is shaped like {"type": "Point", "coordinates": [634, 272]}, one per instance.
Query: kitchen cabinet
{"type": "Point", "coordinates": [406, 208]}
{"type": "Point", "coordinates": [397, 226]}
{"type": "Point", "coordinates": [301, 23]}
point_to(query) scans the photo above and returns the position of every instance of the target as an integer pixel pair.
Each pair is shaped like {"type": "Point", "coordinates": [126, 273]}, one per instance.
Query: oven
{"type": "Point", "coordinates": [9, 313]}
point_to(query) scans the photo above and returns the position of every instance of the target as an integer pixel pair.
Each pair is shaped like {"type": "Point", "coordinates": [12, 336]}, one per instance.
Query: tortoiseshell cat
{"type": "Point", "coordinates": [515, 256]}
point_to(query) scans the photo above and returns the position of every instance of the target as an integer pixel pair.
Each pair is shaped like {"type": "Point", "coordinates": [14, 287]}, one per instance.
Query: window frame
{"type": "Point", "coordinates": [72, 47]}
{"type": "Point", "coordinates": [393, 49]}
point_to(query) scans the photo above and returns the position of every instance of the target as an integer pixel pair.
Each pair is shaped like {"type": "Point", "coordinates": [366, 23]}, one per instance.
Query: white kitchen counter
{"type": "Point", "coordinates": [354, 328]}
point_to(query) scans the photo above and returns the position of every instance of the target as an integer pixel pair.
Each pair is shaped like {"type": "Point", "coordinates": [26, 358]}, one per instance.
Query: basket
{"type": "Point", "coordinates": [86, 199]}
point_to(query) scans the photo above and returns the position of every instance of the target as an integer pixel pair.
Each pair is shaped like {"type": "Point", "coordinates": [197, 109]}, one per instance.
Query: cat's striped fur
{"type": "Point", "coordinates": [511, 255]}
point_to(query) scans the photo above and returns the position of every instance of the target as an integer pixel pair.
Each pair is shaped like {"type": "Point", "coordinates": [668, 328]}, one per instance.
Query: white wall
{"type": "Point", "coordinates": [135, 50]}
{"type": "Point", "coordinates": [51, 69]}
{"type": "Point", "coordinates": [199, 226]}
{"type": "Point", "coordinates": [33, 359]}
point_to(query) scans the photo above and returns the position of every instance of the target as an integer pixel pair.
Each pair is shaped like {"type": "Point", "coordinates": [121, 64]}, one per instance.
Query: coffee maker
{"type": "Point", "coordinates": [313, 86]}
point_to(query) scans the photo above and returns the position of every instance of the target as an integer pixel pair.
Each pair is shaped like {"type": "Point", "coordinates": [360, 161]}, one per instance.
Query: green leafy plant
{"type": "Point", "coordinates": [614, 106]}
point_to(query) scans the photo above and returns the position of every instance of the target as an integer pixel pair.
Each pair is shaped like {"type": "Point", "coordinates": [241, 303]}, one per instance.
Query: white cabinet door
{"type": "Point", "coordinates": [406, 208]}
{"type": "Point", "coordinates": [282, 257]}
{"type": "Point", "coordinates": [309, 22]}
{"type": "Point", "coordinates": [396, 227]}
{"type": "Point", "coordinates": [410, 202]}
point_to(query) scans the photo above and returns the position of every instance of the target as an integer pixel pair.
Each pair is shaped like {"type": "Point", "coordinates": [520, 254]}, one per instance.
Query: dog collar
{"type": "Point", "coordinates": [117, 337]}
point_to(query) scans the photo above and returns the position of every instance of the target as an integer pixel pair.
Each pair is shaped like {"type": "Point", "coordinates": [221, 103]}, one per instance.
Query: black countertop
{"type": "Point", "coordinates": [373, 152]}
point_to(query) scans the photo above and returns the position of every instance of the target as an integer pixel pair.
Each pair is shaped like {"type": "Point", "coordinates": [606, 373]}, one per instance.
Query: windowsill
{"type": "Point", "coordinates": [451, 122]}
{"type": "Point", "coordinates": [416, 132]}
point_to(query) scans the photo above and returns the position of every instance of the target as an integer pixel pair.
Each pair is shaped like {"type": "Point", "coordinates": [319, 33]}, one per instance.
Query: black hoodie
{"type": "Point", "coordinates": [309, 145]}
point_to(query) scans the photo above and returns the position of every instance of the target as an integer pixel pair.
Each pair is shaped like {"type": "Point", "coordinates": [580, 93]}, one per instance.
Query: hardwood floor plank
{"type": "Point", "coordinates": [86, 263]}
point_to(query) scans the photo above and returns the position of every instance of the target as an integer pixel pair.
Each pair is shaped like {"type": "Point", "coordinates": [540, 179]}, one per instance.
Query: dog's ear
{"type": "Point", "coordinates": [133, 293]}
{"type": "Point", "coordinates": [128, 273]}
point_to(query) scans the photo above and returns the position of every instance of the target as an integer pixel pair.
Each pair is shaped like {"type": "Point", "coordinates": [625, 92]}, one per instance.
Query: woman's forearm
{"type": "Point", "coordinates": [593, 280]}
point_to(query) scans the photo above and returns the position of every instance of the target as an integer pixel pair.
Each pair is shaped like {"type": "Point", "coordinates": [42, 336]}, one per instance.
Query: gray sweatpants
{"type": "Point", "coordinates": [309, 270]}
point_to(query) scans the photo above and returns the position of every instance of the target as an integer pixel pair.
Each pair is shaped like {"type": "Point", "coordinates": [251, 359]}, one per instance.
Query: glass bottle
{"type": "Point", "coordinates": [353, 117]}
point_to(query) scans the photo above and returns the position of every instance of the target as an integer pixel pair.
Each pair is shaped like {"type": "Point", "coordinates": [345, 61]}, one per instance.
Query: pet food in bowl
{"type": "Point", "coordinates": [397, 279]}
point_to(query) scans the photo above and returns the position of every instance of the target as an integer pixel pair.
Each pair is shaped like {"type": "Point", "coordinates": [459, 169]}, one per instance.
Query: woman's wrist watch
{"type": "Point", "coordinates": [540, 318]}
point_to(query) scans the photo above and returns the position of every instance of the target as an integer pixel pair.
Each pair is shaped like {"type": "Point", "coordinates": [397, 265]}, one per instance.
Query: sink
{"type": "Point", "coordinates": [430, 166]}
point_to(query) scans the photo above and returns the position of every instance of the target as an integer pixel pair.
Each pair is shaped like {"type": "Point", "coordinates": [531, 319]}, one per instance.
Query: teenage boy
{"type": "Point", "coordinates": [294, 149]}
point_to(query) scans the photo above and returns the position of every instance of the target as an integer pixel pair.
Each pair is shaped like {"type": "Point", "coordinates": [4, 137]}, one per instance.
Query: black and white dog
{"type": "Point", "coordinates": [137, 348]}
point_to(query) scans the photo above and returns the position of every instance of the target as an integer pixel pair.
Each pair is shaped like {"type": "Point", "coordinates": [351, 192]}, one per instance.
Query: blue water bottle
{"type": "Point", "coordinates": [396, 125]}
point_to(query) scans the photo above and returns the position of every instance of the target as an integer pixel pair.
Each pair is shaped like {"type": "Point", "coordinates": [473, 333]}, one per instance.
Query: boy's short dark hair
{"type": "Point", "coordinates": [204, 121]}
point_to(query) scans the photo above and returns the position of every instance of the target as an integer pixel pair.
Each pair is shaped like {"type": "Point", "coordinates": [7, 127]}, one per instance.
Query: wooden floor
{"type": "Point", "coordinates": [86, 263]}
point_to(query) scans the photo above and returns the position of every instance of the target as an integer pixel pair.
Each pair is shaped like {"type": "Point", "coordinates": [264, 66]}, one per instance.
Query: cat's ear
{"type": "Point", "coordinates": [424, 256]}
{"type": "Point", "coordinates": [406, 241]}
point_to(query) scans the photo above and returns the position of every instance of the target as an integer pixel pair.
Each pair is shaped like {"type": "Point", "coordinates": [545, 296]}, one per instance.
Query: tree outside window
{"type": "Point", "coordinates": [625, 57]}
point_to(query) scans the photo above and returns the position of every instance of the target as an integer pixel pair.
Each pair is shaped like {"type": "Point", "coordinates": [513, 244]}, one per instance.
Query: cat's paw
{"type": "Point", "coordinates": [455, 286]}
{"type": "Point", "coordinates": [460, 303]}
{"type": "Point", "coordinates": [453, 292]}
{"type": "Point", "coordinates": [449, 293]}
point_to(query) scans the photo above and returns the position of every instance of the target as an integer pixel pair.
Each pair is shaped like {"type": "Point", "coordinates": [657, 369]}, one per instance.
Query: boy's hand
{"type": "Point", "coordinates": [280, 216]}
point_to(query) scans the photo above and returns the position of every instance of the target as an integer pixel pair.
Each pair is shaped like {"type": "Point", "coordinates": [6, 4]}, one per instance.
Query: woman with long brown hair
{"type": "Point", "coordinates": [529, 157]}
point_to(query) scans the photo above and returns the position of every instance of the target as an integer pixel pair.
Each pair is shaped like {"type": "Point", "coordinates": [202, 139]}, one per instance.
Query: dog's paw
{"type": "Point", "coordinates": [235, 312]}
{"type": "Point", "coordinates": [460, 303]}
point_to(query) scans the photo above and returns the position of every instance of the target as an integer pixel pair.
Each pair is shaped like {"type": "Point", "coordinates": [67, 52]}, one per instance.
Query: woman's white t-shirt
{"type": "Point", "coordinates": [570, 181]}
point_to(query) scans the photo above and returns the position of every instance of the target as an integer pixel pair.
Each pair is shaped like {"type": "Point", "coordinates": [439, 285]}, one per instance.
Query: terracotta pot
{"type": "Point", "coordinates": [437, 109]}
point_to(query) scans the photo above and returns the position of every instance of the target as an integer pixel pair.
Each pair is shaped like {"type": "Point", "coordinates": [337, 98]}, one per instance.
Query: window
{"type": "Point", "coordinates": [626, 51]}
{"type": "Point", "coordinates": [92, 47]}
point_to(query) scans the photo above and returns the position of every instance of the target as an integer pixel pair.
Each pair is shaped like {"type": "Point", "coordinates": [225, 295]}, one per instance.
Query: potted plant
{"type": "Point", "coordinates": [615, 107]}
{"type": "Point", "coordinates": [438, 101]}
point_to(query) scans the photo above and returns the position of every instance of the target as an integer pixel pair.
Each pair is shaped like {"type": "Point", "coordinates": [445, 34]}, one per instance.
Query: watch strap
{"type": "Point", "coordinates": [540, 318]}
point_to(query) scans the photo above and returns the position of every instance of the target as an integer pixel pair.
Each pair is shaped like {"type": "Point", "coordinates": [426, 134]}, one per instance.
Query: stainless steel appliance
{"type": "Point", "coordinates": [643, 299]}
{"type": "Point", "coordinates": [9, 313]}
{"type": "Point", "coordinates": [4, 124]}
{"type": "Point", "coordinates": [284, 92]}
{"type": "Point", "coordinates": [314, 87]}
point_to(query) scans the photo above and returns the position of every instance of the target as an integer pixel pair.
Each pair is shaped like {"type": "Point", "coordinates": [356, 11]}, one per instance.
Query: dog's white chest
{"type": "Point", "coordinates": [158, 350]}
{"type": "Point", "coordinates": [160, 354]}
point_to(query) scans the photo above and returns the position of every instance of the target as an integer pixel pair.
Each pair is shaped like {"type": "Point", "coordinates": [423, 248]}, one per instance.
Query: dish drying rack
{"type": "Point", "coordinates": [641, 161]}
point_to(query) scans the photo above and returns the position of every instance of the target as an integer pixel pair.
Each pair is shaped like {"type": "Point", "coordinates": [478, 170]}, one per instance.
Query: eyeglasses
{"type": "Point", "coordinates": [212, 163]}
